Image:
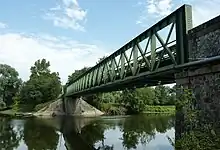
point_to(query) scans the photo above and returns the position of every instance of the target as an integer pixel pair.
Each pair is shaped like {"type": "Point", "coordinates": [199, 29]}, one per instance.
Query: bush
{"type": "Point", "coordinates": [112, 109]}
{"type": "Point", "coordinates": [2, 105]}
{"type": "Point", "coordinates": [160, 109]}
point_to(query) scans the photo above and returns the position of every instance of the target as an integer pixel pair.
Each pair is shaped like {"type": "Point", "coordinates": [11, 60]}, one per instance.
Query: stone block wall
{"type": "Point", "coordinates": [204, 81]}
{"type": "Point", "coordinates": [204, 40]}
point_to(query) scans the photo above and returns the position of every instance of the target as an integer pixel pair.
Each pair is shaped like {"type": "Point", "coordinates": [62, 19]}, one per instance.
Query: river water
{"type": "Point", "coordinates": [142, 132]}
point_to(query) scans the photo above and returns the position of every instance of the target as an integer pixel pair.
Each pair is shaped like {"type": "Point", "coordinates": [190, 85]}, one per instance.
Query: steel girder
{"type": "Point", "coordinates": [133, 59]}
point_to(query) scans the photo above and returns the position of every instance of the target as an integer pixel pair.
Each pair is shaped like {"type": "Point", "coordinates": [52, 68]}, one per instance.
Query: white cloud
{"type": "Point", "coordinates": [159, 7]}
{"type": "Point", "coordinates": [65, 55]}
{"type": "Point", "coordinates": [204, 10]}
{"type": "Point", "coordinates": [3, 25]}
{"type": "Point", "coordinates": [154, 10]}
{"type": "Point", "coordinates": [67, 14]}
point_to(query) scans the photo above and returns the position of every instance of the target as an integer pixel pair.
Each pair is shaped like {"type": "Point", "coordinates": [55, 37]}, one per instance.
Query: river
{"type": "Point", "coordinates": [142, 132]}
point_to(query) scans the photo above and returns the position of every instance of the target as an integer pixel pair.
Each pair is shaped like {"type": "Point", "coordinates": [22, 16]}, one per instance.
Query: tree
{"type": "Point", "coordinates": [131, 101]}
{"type": "Point", "coordinates": [101, 59]}
{"type": "Point", "coordinates": [162, 94]}
{"type": "Point", "coordinates": [76, 74]}
{"type": "Point", "coordinates": [42, 86]}
{"type": "Point", "coordinates": [9, 83]}
{"type": "Point", "coordinates": [41, 67]}
{"type": "Point", "coordinates": [146, 94]}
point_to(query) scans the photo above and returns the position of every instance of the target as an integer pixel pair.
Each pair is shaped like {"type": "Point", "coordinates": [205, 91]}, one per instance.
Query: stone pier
{"type": "Point", "coordinates": [79, 107]}
{"type": "Point", "coordinates": [69, 106]}
{"type": "Point", "coordinates": [203, 80]}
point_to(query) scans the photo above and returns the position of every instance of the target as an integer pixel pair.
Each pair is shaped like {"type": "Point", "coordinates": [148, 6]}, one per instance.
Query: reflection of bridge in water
{"type": "Point", "coordinates": [71, 129]}
{"type": "Point", "coordinates": [85, 133]}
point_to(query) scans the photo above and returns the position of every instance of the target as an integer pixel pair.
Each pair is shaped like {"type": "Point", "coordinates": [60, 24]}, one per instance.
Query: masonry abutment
{"type": "Point", "coordinates": [203, 80]}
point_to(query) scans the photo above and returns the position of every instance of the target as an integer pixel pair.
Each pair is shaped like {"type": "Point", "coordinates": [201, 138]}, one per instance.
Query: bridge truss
{"type": "Point", "coordinates": [146, 60]}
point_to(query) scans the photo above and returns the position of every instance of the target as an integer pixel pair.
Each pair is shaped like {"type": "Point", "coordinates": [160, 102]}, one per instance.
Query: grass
{"type": "Point", "coordinates": [160, 109]}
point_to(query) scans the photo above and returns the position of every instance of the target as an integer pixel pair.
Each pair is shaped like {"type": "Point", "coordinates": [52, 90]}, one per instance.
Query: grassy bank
{"type": "Point", "coordinates": [160, 109]}
{"type": "Point", "coordinates": [117, 109]}
{"type": "Point", "coordinates": [19, 111]}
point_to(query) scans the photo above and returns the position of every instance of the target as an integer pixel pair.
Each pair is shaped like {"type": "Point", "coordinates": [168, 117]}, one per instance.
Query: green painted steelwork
{"type": "Point", "coordinates": [135, 64]}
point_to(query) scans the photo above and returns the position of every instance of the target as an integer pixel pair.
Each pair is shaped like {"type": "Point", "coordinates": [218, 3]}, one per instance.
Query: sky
{"type": "Point", "coordinates": [72, 34]}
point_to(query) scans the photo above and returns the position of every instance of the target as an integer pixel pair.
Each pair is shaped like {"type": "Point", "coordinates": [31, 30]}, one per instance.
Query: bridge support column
{"type": "Point", "coordinates": [70, 105]}
{"type": "Point", "coordinates": [78, 107]}
{"type": "Point", "coordinates": [202, 80]}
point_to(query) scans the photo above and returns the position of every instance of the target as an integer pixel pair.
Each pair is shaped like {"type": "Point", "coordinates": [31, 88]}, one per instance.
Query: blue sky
{"type": "Point", "coordinates": [75, 33]}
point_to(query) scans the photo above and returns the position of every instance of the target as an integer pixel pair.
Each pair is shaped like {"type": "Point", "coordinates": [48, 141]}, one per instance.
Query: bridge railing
{"type": "Point", "coordinates": [147, 52]}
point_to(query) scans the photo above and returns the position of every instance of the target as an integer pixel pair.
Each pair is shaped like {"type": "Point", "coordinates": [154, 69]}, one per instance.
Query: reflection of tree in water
{"type": "Point", "coordinates": [135, 129]}
{"type": "Point", "coordinates": [142, 128]}
{"type": "Point", "coordinates": [94, 133]}
{"type": "Point", "coordinates": [39, 137]}
{"type": "Point", "coordinates": [9, 138]}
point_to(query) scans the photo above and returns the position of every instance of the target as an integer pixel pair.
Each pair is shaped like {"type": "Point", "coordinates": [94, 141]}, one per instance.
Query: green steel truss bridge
{"type": "Point", "coordinates": [150, 58]}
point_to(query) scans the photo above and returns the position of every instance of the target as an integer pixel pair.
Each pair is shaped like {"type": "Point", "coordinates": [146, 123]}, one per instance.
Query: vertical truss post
{"type": "Point", "coordinates": [153, 51]}
{"type": "Point", "coordinates": [113, 73]}
{"type": "Point", "coordinates": [122, 65]}
{"type": "Point", "coordinates": [95, 76]}
{"type": "Point", "coordinates": [90, 78]}
{"type": "Point", "coordinates": [105, 72]}
{"type": "Point", "coordinates": [183, 25]}
{"type": "Point", "coordinates": [135, 59]}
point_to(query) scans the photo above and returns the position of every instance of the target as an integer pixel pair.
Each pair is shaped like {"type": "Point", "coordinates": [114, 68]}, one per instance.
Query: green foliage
{"type": "Point", "coordinates": [76, 74]}
{"type": "Point", "coordinates": [146, 94]}
{"type": "Point", "coordinates": [2, 105]}
{"type": "Point", "coordinates": [134, 129]}
{"type": "Point", "coordinates": [199, 140]}
{"type": "Point", "coordinates": [112, 109]}
{"type": "Point", "coordinates": [16, 103]}
{"type": "Point", "coordinates": [9, 83]}
{"type": "Point", "coordinates": [143, 128]}
{"type": "Point", "coordinates": [136, 100]}
{"type": "Point", "coordinates": [101, 59]}
{"type": "Point", "coordinates": [132, 102]}
{"type": "Point", "coordinates": [9, 137]}
{"type": "Point", "coordinates": [39, 137]}
{"type": "Point", "coordinates": [108, 103]}
{"type": "Point", "coordinates": [160, 109]}
{"type": "Point", "coordinates": [197, 133]}
{"type": "Point", "coordinates": [164, 95]}
{"type": "Point", "coordinates": [42, 86]}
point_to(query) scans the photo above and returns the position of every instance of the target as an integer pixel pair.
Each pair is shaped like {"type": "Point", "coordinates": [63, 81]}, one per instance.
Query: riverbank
{"type": "Point", "coordinates": [79, 107]}
{"type": "Point", "coordinates": [42, 110]}
{"type": "Point", "coordinates": [10, 112]}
